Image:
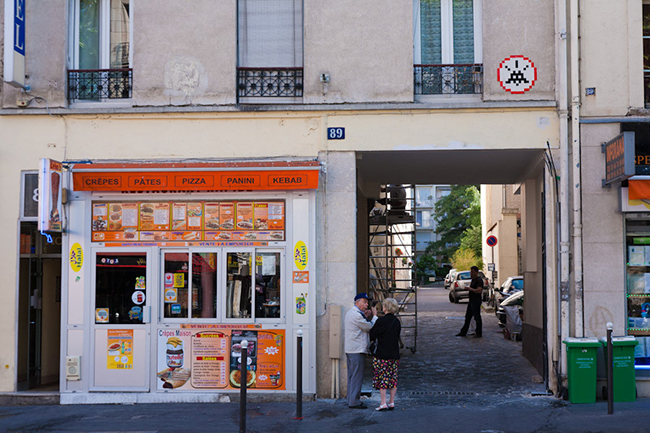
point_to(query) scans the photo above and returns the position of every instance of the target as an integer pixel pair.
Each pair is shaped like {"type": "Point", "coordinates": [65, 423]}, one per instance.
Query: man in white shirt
{"type": "Point", "coordinates": [357, 326]}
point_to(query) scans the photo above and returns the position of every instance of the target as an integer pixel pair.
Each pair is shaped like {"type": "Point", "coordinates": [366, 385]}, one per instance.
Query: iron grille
{"type": "Point", "coordinates": [99, 84]}
{"type": "Point", "coordinates": [269, 82]}
{"type": "Point", "coordinates": [448, 79]}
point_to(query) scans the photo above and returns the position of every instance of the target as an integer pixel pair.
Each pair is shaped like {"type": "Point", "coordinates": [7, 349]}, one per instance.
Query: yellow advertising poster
{"type": "Point", "coordinates": [120, 349]}
{"type": "Point", "coordinates": [300, 255]}
{"type": "Point", "coordinates": [76, 257]}
{"type": "Point", "coordinates": [179, 280]}
{"type": "Point", "coordinates": [209, 357]}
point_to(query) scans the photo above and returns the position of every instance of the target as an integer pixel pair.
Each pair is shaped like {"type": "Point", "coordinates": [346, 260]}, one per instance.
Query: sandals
{"type": "Point", "coordinates": [382, 408]}
{"type": "Point", "coordinates": [391, 406]}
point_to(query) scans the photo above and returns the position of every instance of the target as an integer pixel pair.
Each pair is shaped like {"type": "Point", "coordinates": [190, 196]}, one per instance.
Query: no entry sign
{"type": "Point", "coordinates": [491, 241]}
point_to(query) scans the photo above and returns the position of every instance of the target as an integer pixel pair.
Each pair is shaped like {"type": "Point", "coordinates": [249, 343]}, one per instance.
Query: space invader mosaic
{"type": "Point", "coordinates": [517, 74]}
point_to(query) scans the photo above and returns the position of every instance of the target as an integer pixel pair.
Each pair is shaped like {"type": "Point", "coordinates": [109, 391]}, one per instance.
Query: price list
{"type": "Point", "coordinates": [209, 360]}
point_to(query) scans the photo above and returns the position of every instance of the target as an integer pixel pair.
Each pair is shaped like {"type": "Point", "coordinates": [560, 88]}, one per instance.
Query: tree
{"type": "Point", "coordinates": [464, 258]}
{"type": "Point", "coordinates": [458, 217]}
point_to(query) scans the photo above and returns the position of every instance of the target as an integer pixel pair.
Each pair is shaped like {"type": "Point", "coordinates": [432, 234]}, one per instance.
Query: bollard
{"type": "Point", "coordinates": [243, 379]}
{"type": "Point", "coordinates": [299, 376]}
{"type": "Point", "coordinates": [610, 370]}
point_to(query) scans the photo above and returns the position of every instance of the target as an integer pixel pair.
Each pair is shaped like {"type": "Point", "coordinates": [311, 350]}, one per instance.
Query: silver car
{"type": "Point", "coordinates": [459, 287]}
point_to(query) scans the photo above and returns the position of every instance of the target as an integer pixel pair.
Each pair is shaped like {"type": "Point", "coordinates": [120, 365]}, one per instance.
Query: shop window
{"type": "Point", "coordinates": [238, 292]}
{"type": "Point", "coordinates": [267, 285]}
{"type": "Point", "coordinates": [638, 287]}
{"type": "Point", "coordinates": [646, 53]}
{"type": "Point", "coordinates": [120, 288]}
{"type": "Point", "coordinates": [183, 277]}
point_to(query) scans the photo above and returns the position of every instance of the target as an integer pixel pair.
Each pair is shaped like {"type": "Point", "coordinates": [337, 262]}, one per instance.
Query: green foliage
{"type": "Point", "coordinates": [464, 258]}
{"type": "Point", "coordinates": [458, 216]}
{"type": "Point", "coordinates": [472, 240]}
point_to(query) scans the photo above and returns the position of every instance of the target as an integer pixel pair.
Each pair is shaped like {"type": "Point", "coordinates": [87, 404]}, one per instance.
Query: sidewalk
{"type": "Point", "coordinates": [451, 384]}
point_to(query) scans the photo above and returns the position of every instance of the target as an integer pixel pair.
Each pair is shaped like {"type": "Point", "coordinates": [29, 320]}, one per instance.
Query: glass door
{"type": "Point", "coordinates": [121, 302]}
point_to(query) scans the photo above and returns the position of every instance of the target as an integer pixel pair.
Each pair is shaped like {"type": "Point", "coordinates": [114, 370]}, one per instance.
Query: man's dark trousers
{"type": "Point", "coordinates": [473, 310]}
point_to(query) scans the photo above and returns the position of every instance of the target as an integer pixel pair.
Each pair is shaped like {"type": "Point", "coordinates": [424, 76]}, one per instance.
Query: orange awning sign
{"type": "Point", "coordinates": [638, 189]}
{"type": "Point", "coordinates": [195, 180]}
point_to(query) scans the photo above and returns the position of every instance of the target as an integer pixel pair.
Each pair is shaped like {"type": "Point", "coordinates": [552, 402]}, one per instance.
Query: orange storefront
{"type": "Point", "coordinates": [170, 266]}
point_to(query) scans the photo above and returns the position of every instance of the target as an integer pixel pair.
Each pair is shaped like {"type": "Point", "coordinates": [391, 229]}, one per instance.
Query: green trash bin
{"type": "Point", "coordinates": [581, 363]}
{"type": "Point", "coordinates": [624, 375]}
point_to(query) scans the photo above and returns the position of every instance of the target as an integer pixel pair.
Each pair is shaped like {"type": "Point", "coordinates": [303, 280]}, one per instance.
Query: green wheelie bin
{"type": "Point", "coordinates": [624, 375]}
{"type": "Point", "coordinates": [581, 363]}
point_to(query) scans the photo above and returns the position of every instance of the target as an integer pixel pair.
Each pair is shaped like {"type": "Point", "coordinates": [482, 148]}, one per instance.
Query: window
{"type": "Point", "coordinates": [100, 63]}
{"type": "Point", "coordinates": [447, 46]}
{"type": "Point", "coordinates": [230, 284]}
{"type": "Point", "coordinates": [270, 47]}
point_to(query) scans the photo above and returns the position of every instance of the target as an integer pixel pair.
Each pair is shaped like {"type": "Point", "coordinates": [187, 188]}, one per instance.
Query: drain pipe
{"type": "Point", "coordinates": [563, 296]}
{"type": "Point", "coordinates": [576, 178]}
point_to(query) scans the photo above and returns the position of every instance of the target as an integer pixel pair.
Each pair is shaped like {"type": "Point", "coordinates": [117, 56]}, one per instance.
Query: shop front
{"type": "Point", "coordinates": [171, 266]}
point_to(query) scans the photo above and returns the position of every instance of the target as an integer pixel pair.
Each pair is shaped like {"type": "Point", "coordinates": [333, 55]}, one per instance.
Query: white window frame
{"type": "Point", "coordinates": [447, 32]}
{"type": "Point", "coordinates": [104, 34]}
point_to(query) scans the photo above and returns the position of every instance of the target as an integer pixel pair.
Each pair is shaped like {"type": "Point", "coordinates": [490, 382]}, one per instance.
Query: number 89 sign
{"type": "Point", "coordinates": [335, 133]}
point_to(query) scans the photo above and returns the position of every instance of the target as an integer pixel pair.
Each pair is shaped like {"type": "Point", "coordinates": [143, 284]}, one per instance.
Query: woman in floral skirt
{"type": "Point", "coordinates": [385, 359]}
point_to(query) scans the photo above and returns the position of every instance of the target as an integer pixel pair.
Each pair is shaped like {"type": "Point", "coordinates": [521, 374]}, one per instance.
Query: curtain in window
{"type": "Point", "coordinates": [463, 31]}
{"type": "Point", "coordinates": [430, 32]}
{"type": "Point", "coordinates": [119, 49]}
{"type": "Point", "coordinates": [270, 33]}
{"type": "Point", "coordinates": [88, 34]}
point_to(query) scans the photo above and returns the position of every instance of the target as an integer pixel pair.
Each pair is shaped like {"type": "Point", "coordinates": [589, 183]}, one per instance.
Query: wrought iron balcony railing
{"type": "Point", "coordinates": [448, 79]}
{"type": "Point", "coordinates": [99, 84]}
{"type": "Point", "coordinates": [269, 82]}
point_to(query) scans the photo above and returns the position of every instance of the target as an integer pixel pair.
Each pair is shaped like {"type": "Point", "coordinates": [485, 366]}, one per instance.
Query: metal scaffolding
{"type": "Point", "coordinates": [391, 242]}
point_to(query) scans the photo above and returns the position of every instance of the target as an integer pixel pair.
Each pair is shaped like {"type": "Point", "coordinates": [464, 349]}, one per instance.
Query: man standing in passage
{"type": "Point", "coordinates": [357, 326]}
{"type": "Point", "coordinates": [474, 305]}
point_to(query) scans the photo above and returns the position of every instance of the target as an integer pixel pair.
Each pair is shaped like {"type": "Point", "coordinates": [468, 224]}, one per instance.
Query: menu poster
{"type": "Point", "coordinates": [194, 216]}
{"type": "Point", "coordinates": [227, 216]}
{"type": "Point", "coordinates": [261, 216]}
{"type": "Point", "coordinates": [276, 215]}
{"type": "Point", "coordinates": [146, 216]}
{"type": "Point", "coordinates": [161, 216]}
{"type": "Point", "coordinates": [120, 349]}
{"type": "Point", "coordinates": [245, 215]}
{"type": "Point", "coordinates": [218, 236]}
{"type": "Point", "coordinates": [209, 357]}
{"type": "Point", "coordinates": [211, 216]}
{"type": "Point", "coordinates": [100, 217]}
{"type": "Point", "coordinates": [179, 216]}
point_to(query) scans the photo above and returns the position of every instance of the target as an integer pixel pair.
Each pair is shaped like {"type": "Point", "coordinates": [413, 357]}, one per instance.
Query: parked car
{"type": "Point", "coordinates": [510, 286]}
{"type": "Point", "coordinates": [452, 273]}
{"type": "Point", "coordinates": [459, 286]}
{"type": "Point", "coordinates": [517, 299]}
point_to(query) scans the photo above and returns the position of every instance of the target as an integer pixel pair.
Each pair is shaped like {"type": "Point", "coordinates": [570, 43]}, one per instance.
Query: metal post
{"type": "Point", "coordinates": [610, 370]}
{"type": "Point", "coordinates": [299, 376]}
{"type": "Point", "coordinates": [243, 379]}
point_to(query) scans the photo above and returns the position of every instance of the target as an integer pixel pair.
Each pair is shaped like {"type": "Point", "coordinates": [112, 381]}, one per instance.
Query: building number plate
{"type": "Point", "coordinates": [335, 133]}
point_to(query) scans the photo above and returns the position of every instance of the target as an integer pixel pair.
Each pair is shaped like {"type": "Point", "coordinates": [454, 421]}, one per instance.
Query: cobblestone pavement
{"type": "Point", "coordinates": [460, 370]}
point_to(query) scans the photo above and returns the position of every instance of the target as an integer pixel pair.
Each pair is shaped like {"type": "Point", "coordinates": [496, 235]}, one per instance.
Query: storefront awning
{"type": "Point", "coordinates": [240, 176]}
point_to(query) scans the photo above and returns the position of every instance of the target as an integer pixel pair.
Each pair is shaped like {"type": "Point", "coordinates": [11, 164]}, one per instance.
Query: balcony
{"type": "Point", "coordinates": [269, 82]}
{"type": "Point", "coordinates": [448, 79]}
{"type": "Point", "coordinates": [99, 84]}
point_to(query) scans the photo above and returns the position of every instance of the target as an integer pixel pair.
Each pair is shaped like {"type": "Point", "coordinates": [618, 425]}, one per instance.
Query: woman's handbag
{"type": "Point", "coordinates": [372, 348]}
